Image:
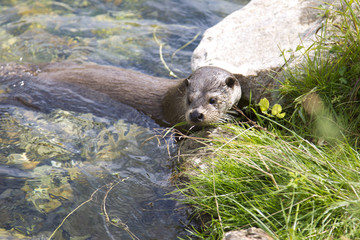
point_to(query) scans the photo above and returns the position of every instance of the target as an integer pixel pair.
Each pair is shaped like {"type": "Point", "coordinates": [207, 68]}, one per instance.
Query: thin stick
{"type": "Point", "coordinates": [253, 122]}
{"type": "Point", "coordinates": [171, 73]}
{"type": "Point", "coordinates": [103, 205]}
{"type": "Point", "coordinates": [185, 45]}
{"type": "Point", "coordinates": [118, 223]}
{"type": "Point", "coordinates": [82, 204]}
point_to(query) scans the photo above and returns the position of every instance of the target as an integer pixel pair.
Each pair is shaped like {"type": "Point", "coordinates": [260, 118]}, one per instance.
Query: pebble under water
{"type": "Point", "coordinates": [75, 163]}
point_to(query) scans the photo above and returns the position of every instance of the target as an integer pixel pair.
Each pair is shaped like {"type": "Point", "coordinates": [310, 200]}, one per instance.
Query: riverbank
{"type": "Point", "coordinates": [295, 176]}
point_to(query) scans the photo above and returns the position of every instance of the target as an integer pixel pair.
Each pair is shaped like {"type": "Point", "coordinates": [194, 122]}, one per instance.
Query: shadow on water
{"type": "Point", "coordinates": [60, 145]}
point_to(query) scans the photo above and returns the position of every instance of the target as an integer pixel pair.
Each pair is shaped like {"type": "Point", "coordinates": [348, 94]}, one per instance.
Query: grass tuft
{"type": "Point", "coordinates": [287, 186]}
{"type": "Point", "coordinates": [325, 86]}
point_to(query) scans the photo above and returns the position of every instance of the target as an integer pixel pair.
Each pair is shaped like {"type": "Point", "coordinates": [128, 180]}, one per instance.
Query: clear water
{"type": "Point", "coordinates": [54, 156]}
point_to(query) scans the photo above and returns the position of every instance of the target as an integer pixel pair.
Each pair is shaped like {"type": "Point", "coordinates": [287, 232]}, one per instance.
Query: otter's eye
{"type": "Point", "coordinates": [188, 100]}
{"type": "Point", "coordinates": [212, 100]}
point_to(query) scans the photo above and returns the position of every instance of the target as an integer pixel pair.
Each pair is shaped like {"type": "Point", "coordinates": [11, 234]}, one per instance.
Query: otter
{"type": "Point", "coordinates": [200, 99]}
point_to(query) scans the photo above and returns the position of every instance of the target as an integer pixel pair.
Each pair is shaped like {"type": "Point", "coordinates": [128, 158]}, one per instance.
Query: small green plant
{"type": "Point", "coordinates": [275, 111]}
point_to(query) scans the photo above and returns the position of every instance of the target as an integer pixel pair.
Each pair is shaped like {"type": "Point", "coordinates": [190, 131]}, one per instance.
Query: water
{"type": "Point", "coordinates": [58, 146]}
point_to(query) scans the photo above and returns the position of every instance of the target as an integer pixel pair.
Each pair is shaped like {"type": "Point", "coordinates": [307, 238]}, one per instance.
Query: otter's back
{"type": "Point", "coordinates": [136, 89]}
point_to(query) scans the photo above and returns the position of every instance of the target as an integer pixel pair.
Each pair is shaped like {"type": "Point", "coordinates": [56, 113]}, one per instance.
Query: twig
{"type": "Point", "coordinates": [185, 45]}
{"type": "Point", "coordinates": [251, 122]}
{"type": "Point", "coordinates": [171, 73]}
{"type": "Point", "coordinates": [115, 221]}
{"type": "Point", "coordinates": [233, 138]}
{"type": "Point", "coordinates": [82, 204]}
{"type": "Point", "coordinates": [103, 205]}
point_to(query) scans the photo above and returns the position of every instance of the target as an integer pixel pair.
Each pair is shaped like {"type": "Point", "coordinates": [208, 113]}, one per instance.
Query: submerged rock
{"type": "Point", "coordinates": [61, 135]}
{"type": "Point", "coordinates": [49, 190]}
{"type": "Point", "coordinates": [12, 234]}
{"type": "Point", "coordinates": [65, 145]}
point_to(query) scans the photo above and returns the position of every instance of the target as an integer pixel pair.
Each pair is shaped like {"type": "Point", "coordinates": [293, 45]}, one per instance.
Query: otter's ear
{"type": "Point", "coordinates": [187, 81]}
{"type": "Point", "coordinates": [231, 82]}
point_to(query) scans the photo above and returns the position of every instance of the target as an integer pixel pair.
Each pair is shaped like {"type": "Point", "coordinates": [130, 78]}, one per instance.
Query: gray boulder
{"type": "Point", "coordinates": [249, 41]}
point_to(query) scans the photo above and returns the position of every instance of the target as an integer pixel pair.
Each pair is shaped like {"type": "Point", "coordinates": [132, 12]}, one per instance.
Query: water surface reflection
{"type": "Point", "coordinates": [58, 145]}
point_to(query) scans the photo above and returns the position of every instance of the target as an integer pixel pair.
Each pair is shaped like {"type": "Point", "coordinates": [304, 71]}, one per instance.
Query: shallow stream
{"type": "Point", "coordinates": [92, 169]}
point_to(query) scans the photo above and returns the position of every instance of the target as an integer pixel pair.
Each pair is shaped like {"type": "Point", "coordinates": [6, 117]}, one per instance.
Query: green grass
{"type": "Point", "coordinates": [297, 177]}
{"type": "Point", "coordinates": [325, 86]}
{"type": "Point", "coordinates": [287, 186]}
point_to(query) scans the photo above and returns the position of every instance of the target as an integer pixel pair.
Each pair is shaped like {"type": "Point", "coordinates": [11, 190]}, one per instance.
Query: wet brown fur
{"type": "Point", "coordinates": [141, 91]}
{"type": "Point", "coordinates": [169, 101]}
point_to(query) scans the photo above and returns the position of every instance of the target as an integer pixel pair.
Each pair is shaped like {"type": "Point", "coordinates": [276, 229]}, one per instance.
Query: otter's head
{"type": "Point", "coordinates": [211, 92]}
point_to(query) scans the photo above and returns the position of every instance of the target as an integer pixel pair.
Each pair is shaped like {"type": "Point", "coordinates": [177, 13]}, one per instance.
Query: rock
{"type": "Point", "coordinates": [50, 189]}
{"type": "Point", "coordinates": [248, 234]}
{"type": "Point", "coordinates": [194, 151]}
{"type": "Point", "coordinates": [12, 234]}
{"type": "Point", "coordinates": [249, 41]}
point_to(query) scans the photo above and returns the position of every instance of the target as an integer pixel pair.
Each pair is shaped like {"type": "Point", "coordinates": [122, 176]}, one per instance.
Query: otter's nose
{"type": "Point", "coordinates": [196, 116]}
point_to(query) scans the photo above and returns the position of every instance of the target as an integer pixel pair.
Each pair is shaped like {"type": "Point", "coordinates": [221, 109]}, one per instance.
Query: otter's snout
{"type": "Point", "coordinates": [196, 116]}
